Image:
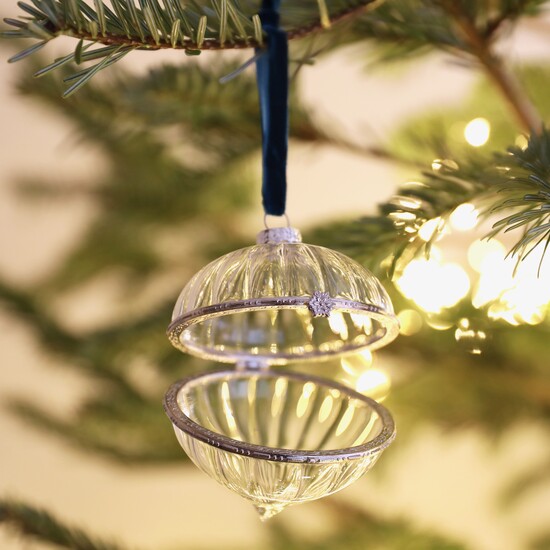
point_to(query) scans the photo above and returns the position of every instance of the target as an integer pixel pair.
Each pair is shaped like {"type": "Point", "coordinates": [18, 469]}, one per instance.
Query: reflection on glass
{"type": "Point", "coordinates": [275, 334]}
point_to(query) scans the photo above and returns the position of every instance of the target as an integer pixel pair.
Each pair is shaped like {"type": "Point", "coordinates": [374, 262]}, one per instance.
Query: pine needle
{"type": "Point", "coordinates": [118, 54]}
{"type": "Point", "coordinates": [201, 31]}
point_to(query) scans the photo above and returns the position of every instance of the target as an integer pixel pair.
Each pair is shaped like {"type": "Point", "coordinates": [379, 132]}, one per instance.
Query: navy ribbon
{"type": "Point", "coordinates": [272, 76]}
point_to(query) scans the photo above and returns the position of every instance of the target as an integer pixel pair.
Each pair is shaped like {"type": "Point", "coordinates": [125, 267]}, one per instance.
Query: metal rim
{"type": "Point", "coordinates": [387, 320]}
{"type": "Point", "coordinates": [181, 421]}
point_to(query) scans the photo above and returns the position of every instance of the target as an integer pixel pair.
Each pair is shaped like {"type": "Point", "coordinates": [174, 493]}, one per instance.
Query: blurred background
{"type": "Point", "coordinates": [113, 198]}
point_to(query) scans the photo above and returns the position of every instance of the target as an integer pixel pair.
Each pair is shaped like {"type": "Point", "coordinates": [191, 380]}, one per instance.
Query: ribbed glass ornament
{"type": "Point", "coordinates": [277, 439]}
{"type": "Point", "coordinates": [279, 301]}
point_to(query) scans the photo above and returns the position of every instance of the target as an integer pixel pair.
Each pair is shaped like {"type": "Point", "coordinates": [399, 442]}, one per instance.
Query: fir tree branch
{"type": "Point", "coordinates": [517, 184]}
{"type": "Point", "coordinates": [158, 24]}
{"type": "Point", "coordinates": [173, 111]}
{"type": "Point", "coordinates": [107, 426]}
{"type": "Point", "coordinates": [510, 12]}
{"type": "Point", "coordinates": [465, 29]}
{"type": "Point", "coordinates": [106, 421]}
{"type": "Point", "coordinates": [381, 241]}
{"type": "Point", "coordinates": [40, 525]}
{"type": "Point", "coordinates": [526, 192]}
{"type": "Point", "coordinates": [512, 91]}
{"type": "Point", "coordinates": [504, 80]}
{"type": "Point", "coordinates": [411, 26]}
{"type": "Point", "coordinates": [84, 352]}
{"type": "Point", "coordinates": [491, 408]}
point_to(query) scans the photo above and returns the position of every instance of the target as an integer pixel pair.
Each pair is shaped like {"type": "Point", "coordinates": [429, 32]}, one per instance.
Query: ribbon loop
{"type": "Point", "coordinates": [272, 77]}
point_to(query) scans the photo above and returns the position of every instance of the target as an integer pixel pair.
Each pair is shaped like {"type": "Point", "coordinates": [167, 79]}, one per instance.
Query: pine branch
{"type": "Point", "coordinates": [465, 29]}
{"type": "Point", "coordinates": [479, 43]}
{"type": "Point", "coordinates": [177, 115]}
{"type": "Point", "coordinates": [157, 24]}
{"type": "Point", "coordinates": [381, 241]}
{"type": "Point", "coordinates": [526, 191]}
{"type": "Point", "coordinates": [106, 421]}
{"type": "Point", "coordinates": [103, 354]}
{"type": "Point", "coordinates": [515, 186]}
{"type": "Point", "coordinates": [129, 431]}
{"type": "Point", "coordinates": [40, 525]}
{"type": "Point", "coordinates": [410, 26]}
{"type": "Point", "coordinates": [26, 308]}
{"type": "Point", "coordinates": [439, 134]}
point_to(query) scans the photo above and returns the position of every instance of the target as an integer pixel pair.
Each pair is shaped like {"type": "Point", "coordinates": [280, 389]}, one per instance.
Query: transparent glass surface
{"type": "Point", "coordinates": [278, 334]}
{"type": "Point", "coordinates": [282, 332]}
{"type": "Point", "coordinates": [319, 437]}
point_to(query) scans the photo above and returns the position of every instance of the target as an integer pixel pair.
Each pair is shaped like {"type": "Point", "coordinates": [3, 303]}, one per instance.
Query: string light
{"type": "Point", "coordinates": [434, 285]}
{"type": "Point", "coordinates": [477, 132]}
{"type": "Point", "coordinates": [464, 217]}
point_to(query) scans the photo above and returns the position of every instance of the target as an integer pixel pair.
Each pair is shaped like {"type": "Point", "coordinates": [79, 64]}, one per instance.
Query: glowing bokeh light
{"type": "Point", "coordinates": [410, 322]}
{"type": "Point", "coordinates": [515, 293]}
{"type": "Point", "coordinates": [357, 372]}
{"type": "Point", "coordinates": [482, 254]}
{"type": "Point", "coordinates": [522, 141]}
{"type": "Point", "coordinates": [434, 285]}
{"type": "Point", "coordinates": [439, 324]}
{"type": "Point", "coordinates": [464, 217]}
{"type": "Point", "coordinates": [338, 324]}
{"type": "Point", "coordinates": [355, 364]}
{"type": "Point", "coordinates": [477, 132]}
{"type": "Point", "coordinates": [375, 383]}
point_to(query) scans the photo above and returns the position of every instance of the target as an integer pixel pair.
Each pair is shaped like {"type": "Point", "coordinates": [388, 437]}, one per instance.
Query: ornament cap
{"type": "Point", "coordinates": [279, 235]}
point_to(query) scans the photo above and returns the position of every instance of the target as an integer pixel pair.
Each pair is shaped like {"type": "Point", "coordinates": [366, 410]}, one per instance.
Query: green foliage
{"type": "Point", "coordinates": [153, 25]}
{"type": "Point", "coordinates": [493, 390]}
{"type": "Point", "coordinates": [391, 235]}
{"type": "Point", "coordinates": [151, 105]}
{"type": "Point", "coordinates": [410, 27]}
{"type": "Point", "coordinates": [512, 186]}
{"type": "Point", "coordinates": [125, 429]}
{"type": "Point", "coordinates": [187, 105]}
{"type": "Point", "coordinates": [465, 29]}
{"type": "Point", "coordinates": [178, 149]}
{"type": "Point", "coordinates": [357, 526]}
{"type": "Point", "coordinates": [526, 192]}
{"type": "Point", "coordinates": [516, 183]}
{"type": "Point", "coordinates": [42, 526]}
{"type": "Point", "coordinates": [124, 420]}
{"type": "Point", "coordinates": [440, 134]}
{"type": "Point", "coordinates": [174, 134]}
{"type": "Point", "coordinates": [151, 187]}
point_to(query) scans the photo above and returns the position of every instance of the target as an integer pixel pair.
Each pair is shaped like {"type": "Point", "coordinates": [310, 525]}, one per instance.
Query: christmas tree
{"type": "Point", "coordinates": [176, 186]}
